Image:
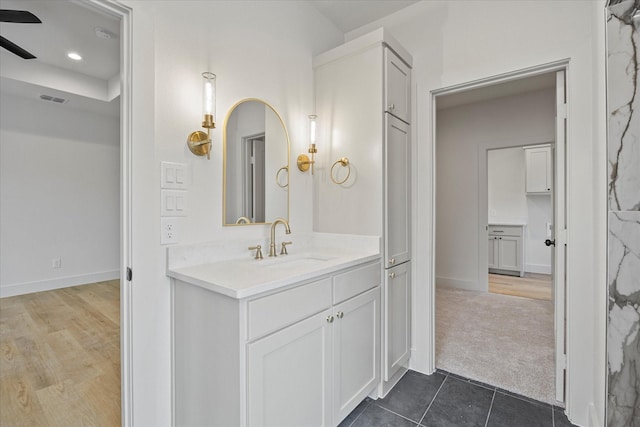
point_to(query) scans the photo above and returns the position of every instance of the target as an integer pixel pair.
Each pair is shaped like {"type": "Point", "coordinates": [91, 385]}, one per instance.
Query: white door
{"type": "Point", "coordinates": [560, 234]}
{"type": "Point", "coordinates": [397, 328]}
{"type": "Point", "coordinates": [356, 349]}
{"type": "Point", "coordinates": [509, 253]}
{"type": "Point", "coordinates": [397, 88]}
{"type": "Point", "coordinates": [289, 375]}
{"type": "Point", "coordinates": [397, 185]}
{"type": "Point", "coordinates": [539, 170]}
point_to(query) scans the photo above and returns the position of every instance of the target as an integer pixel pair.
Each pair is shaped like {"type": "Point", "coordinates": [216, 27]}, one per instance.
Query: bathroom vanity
{"type": "Point", "coordinates": [290, 340]}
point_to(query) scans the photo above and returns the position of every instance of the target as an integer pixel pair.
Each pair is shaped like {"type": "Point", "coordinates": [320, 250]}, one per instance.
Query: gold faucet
{"type": "Point", "coordinates": [272, 246]}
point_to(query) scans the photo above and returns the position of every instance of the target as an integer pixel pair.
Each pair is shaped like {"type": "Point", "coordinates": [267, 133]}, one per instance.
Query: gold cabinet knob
{"type": "Point", "coordinates": [392, 275]}
{"type": "Point", "coordinates": [392, 261]}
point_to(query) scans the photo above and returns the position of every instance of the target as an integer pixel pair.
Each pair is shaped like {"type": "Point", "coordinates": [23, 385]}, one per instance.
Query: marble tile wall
{"type": "Point", "coordinates": [623, 147]}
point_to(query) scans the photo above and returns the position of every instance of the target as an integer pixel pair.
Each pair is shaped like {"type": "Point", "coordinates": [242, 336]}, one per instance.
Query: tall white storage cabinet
{"type": "Point", "coordinates": [363, 105]}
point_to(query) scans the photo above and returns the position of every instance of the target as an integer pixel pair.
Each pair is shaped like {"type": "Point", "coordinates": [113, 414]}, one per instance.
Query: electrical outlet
{"type": "Point", "coordinates": [56, 263]}
{"type": "Point", "coordinates": [169, 231]}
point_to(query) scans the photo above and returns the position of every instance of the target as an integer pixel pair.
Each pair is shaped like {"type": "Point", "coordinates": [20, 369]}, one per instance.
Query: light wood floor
{"type": "Point", "coordinates": [60, 357]}
{"type": "Point", "coordinates": [532, 285]}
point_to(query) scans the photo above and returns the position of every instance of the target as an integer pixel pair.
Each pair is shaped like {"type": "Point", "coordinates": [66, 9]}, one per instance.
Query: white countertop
{"type": "Point", "coordinates": [512, 223]}
{"type": "Point", "coordinates": [242, 278]}
{"type": "Point", "coordinates": [229, 269]}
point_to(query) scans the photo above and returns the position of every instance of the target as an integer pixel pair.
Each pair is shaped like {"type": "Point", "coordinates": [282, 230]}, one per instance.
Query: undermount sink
{"type": "Point", "coordinates": [292, 261]}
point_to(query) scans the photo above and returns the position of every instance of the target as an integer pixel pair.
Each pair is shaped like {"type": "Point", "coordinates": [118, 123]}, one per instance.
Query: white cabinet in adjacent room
{"type": "Point", "coordinates": [539, 169]}
{"type": "Point", "coordinates": [506, 249]}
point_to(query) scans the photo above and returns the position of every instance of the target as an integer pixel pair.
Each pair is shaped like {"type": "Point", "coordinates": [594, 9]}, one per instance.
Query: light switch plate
{"type": "Point", "coordinates": [173, 203]}
{"type": "Point", "coordinates": [174, 175]}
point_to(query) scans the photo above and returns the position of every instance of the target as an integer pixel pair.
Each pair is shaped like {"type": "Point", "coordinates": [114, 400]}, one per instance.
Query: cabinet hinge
{"type": "Point", "coordinates": [129, 274]}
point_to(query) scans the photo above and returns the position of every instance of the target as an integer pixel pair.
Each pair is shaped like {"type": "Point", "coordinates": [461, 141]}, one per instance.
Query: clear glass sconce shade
{"type": "Point", "coordinates": [209, 94]}
{"type": "Point", "coordinates": [313, 131]}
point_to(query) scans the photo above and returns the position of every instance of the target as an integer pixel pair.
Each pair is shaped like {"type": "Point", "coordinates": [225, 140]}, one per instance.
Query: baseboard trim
{"type": "Point", "coordinates": [59, 283]}
{"type": "Point", "coordinates": [538, 268]}
{"type": "Point", "coordinates": [468, 285]}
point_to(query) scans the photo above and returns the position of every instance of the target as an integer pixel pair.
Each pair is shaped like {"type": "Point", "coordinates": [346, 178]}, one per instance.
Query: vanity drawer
{"type": "Point", "coordinates": [354, 282]}
{"type": "Point", "coordinates": [506, 230]}
{"type": "Point", "coordinates": [273, 312]}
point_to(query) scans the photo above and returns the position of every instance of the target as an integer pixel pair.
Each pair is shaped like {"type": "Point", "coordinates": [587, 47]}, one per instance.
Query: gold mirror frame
{"type": "Point", "coordinates": [224, 163]}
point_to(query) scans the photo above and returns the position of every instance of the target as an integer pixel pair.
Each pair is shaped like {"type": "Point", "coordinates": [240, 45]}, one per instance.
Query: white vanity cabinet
{"type": "Point", "coordinates": [539, 169]}
{"type": "Point", "coordinates": [506, 249]}
{"type": "Point", "coordinates": [363, 92]}
{"type": "Point", "coordinates": [306, 355]}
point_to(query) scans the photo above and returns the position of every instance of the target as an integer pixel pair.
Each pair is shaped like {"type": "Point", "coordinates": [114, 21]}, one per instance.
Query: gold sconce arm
{"type": "Point", "coordinates": [304, 162]}
{"type": "Point", "coordinates": [199, 143]}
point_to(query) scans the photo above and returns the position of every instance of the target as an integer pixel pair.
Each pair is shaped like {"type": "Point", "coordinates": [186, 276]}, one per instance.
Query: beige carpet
{"type": "Point", "coordinates": [500, 340]}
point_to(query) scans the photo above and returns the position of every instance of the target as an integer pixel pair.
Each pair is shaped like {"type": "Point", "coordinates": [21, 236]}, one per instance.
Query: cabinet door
{"type": "Point", "coordinates": [356, 347]}
{"type": "Point", "coordinates": [510, 253]}
{"type": "Point", "coordinates": [397, 90]}
{"type": "Point", "coordinates": [539, 170]}
{"type": "Point", "coordinates": [397, 314]}
{"type": "Point", "coordinates": [289, 375]}
{"type": "Point", "coordinates": [397, 194]}
{"type": "Point", "coordinates": [493, 252]}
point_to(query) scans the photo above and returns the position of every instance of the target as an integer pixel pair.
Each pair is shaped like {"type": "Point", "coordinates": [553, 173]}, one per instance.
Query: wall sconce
{"type": "Point", "coordinates": [199, 142]}
{"type": "Point", "coordinates": [303, 159]}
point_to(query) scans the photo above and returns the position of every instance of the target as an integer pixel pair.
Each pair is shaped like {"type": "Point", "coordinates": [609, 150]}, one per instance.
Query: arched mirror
{"type": "Point", "coordinates": [256, 164]}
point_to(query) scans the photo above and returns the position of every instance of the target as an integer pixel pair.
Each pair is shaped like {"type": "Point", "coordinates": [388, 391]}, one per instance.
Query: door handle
{"type": "Point", "coordinates": [550, 242]}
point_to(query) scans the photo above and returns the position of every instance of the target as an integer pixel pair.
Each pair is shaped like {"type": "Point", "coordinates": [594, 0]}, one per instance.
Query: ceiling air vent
{"type": "Point", "coordinates": [54, 99]}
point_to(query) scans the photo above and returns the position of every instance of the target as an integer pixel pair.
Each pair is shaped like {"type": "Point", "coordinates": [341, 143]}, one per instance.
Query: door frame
{"type": "Point", "coordinates": [560, 65]}
{"type": "Point", "coordinates": [111, 7]}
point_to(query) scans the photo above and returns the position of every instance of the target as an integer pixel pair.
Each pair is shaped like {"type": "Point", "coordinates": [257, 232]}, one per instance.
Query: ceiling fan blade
{"type": "Point", "coordinates": [18, 17]}
{"type": "Point", "coordinates": [14, 48]}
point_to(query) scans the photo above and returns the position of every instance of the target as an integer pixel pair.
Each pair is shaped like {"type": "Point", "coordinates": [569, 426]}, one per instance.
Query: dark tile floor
{"type": "Point", "coordinates": [444, 399]}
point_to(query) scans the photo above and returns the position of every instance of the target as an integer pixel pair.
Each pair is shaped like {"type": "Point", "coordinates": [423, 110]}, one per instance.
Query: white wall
{"type": "Point", "coordinates": [59, 195]}
{"type": "Point", "coordinates": [464, 134]}
{"type": "Point", "coordinates": [460, 41]}
{"type": "Point", "coordinates": [508, 202]}
{"type": "Point", "coordinates": [259, 49]}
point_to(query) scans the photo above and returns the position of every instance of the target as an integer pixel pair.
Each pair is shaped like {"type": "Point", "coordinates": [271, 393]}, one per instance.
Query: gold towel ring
{"type": "Point", "coordinates": [286, 168]}
{"type": "Point", "coordinates": [344, 162]}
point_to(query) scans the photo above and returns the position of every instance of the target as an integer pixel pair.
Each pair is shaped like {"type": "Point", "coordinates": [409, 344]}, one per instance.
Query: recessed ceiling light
{"type": "Point", "coordinates": [74, 56]}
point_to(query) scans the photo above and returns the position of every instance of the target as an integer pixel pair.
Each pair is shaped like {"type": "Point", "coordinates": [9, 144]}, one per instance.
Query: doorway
{"type": "Point", "coordinates": [88, 153]}
{"type": "Point", "coordinates": [463, 264]}
{"type": "Point", "coordinates": [520, 213]}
